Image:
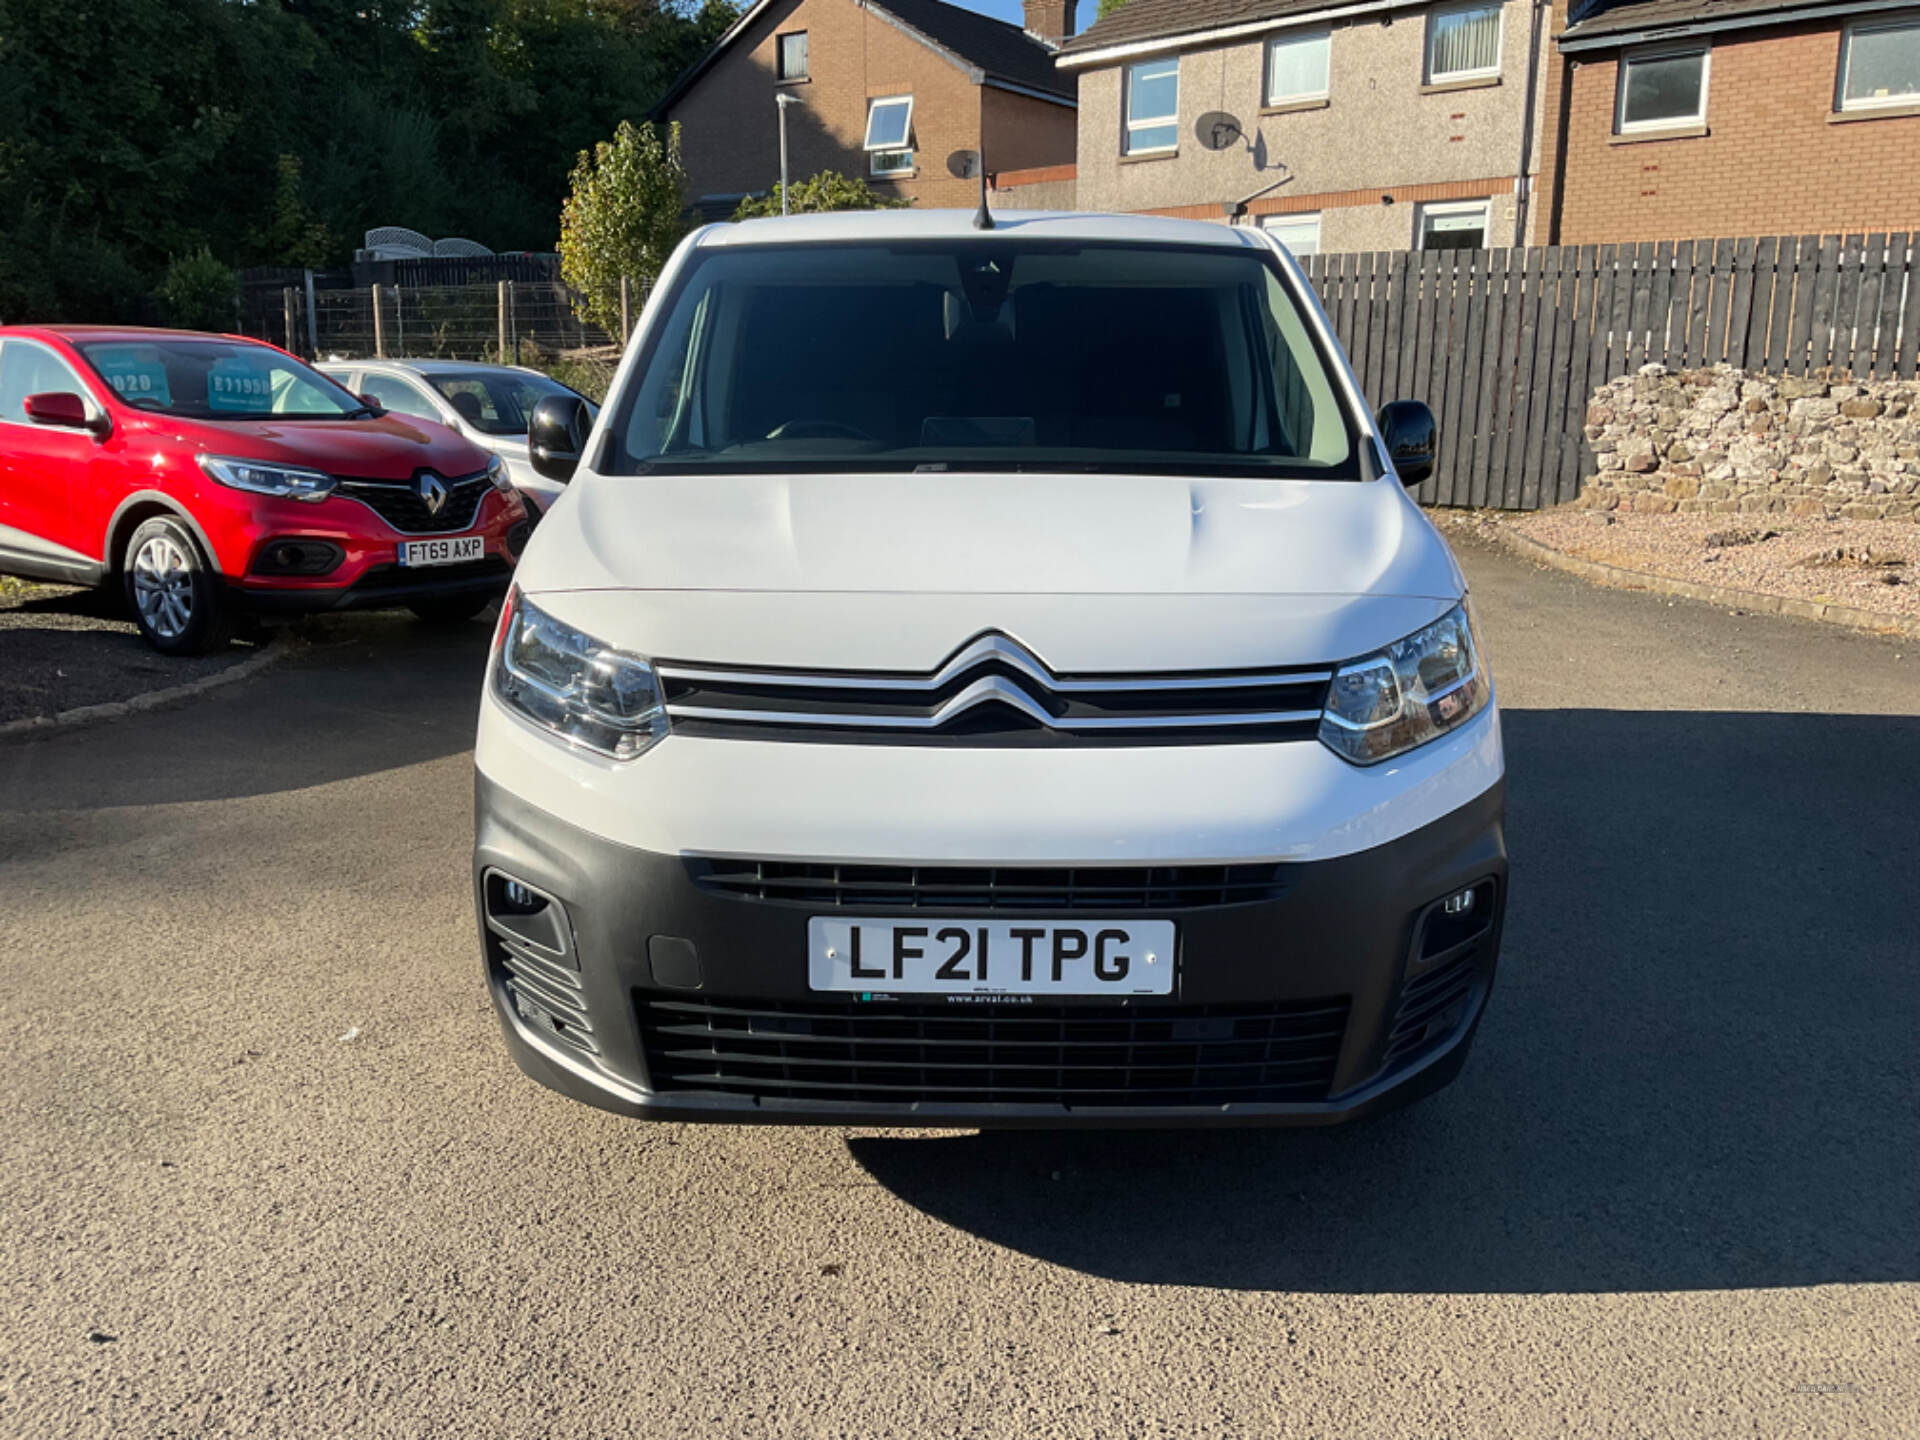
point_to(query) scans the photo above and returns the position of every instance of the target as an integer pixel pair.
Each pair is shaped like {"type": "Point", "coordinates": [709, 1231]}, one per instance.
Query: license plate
{"type": "Point", "coordinates": [998, 957]}
{"type": "Point", "coordinates": [415, 553]}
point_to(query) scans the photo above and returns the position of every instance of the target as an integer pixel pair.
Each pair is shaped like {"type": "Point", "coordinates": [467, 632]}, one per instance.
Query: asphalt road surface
{"type": "Point", "coordinates": [265, 1168]}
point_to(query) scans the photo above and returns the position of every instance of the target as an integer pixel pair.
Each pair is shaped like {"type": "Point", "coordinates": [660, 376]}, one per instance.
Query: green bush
{"type": "Point", "coordinates": [199, 293]}
{"type": "Point", "coordinates": [829, 190]}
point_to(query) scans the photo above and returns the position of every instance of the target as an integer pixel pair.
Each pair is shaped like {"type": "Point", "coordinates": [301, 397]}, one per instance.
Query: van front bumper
{"type": "Point", "coordinates": [637, 986]}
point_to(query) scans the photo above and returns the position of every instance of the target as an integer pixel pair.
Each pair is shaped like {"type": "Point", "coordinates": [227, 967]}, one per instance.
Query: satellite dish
{"type": "Point", "coordinates": [1217, 130]}
{"type": "Point", "coordinates": [964, 164]}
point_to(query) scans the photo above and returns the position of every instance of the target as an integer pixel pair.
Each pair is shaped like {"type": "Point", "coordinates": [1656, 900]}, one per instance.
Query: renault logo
{"type": "Point", "coordinates": [433, 492]}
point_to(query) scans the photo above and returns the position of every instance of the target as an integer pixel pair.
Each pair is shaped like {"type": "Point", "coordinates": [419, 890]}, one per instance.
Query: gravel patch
{"type": "Point", "coordinates": [62, 648]}
{"type": "Point", "coordinates": [1865, 564]}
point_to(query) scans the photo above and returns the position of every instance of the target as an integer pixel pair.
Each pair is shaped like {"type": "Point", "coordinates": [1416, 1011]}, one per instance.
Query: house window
{"type": "Point", "coordinates": [1661, 89]}
{"type": "Point", "coordinates": [1458, 225]}
{"type": "Point", "coordinates": [1297, 67]}
{"type": "Point", "coordinates": [1880, 65]}
{"type": "Point", "coordinates": [1153, 106]}
{"type": "Point", "coordinates": [1463, 44]}
{"type": "Point", "coordinates": [1299, 233]}
{"type": "Point", "coordinates": [890, 135]}
{"type": "Point", "coordinates": [793, 56]}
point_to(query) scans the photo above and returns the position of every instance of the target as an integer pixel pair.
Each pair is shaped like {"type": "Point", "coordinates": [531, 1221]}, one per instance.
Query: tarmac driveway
{"type": "Point", "coordinates": [265, 1168]}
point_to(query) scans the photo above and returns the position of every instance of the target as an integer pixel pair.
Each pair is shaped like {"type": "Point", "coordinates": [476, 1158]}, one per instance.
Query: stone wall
{"type": "Point", "coordinates": [1725, 442]}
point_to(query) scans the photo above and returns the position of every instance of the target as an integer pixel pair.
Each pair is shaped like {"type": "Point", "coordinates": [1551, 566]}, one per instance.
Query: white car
{"type": "Point", "coordinates": [489, 404]}
{"type": "Point", "coordinates": [988, 676]}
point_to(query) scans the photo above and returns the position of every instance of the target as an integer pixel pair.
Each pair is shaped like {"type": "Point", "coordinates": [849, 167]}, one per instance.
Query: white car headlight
{"type": "Point", "coordinates": [287, 482]}
{"type": "Point", "coordinates": [497, 473]}
{"type": "Point", "coordinates": [1415, 690]}
{"type": "Point", "coordinates": [578, 688]}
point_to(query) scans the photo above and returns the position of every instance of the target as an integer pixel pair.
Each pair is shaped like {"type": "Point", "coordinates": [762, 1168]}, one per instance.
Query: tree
{"type": "Point", "coordinates": [829, 190]}
{"type": "Point", "coordinates": [1107, 7]}
{"type": "Point", "coordinates": [199, 293]}
{"type": "Point", "coordinates": [623, 217]}
{"type": "Point", "coordinates": [275, 132]}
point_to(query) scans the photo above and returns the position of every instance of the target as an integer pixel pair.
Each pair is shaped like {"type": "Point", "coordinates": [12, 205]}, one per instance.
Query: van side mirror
{"type": "Point", "coordinates": [66, 410]}
{"type": "Point", "coordinates": [1412, 439]}
{"type": "Point", "coordinates": [557, 434]}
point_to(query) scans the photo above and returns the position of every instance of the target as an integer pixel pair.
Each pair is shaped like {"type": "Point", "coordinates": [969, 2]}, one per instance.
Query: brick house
{"type": "Point", "coordinates": [1402, 125]}
{"type": "Point", "coordinates": [886, 89]}
{"type": "Point", "coordinates": [1674, 119]}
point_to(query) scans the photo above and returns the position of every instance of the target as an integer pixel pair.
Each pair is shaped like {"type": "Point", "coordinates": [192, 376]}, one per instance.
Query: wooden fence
{"type": "Point", "coordinates": [1506, 346]}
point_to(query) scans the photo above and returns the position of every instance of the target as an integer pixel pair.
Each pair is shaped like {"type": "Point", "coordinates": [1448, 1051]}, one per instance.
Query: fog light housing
{"type": "Point", "coordinates": [1459, 904]}
{"type": "Point", "coordinates": [533, 917]}
{"type": "Point", "coordinates": [296, 555]}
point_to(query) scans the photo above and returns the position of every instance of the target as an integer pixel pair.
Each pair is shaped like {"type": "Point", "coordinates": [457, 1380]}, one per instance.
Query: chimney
{"type": "Point", "coordinates": [1050, 21]}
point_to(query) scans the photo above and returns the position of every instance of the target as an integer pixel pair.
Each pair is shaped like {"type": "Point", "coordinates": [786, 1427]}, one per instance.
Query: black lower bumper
{"type": "Point", "coordinates": [1348, 992]}
{"type": "Point", "coordinates": [381, 589]}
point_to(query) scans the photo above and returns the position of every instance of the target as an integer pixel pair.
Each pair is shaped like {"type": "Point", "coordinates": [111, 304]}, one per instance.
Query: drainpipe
{"type": "Point", "coordinates": [1523, 184]}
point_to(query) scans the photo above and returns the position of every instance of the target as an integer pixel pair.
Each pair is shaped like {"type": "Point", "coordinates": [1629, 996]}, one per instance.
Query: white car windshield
{"type": "Point", "coordinates": [984, 354]}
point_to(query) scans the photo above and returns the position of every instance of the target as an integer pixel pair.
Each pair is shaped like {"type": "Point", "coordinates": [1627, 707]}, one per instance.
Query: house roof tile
{"type": "Point", "coordinates": [1162, 19]}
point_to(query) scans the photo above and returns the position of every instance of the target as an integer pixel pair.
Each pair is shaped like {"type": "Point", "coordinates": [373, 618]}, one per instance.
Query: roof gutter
{"type": "Point", "coordinates": [1572, 43]}
{"type": "Point", "coordinates": [1016, 88]}
{"type": "Point", "coordinates": [1105, 54]}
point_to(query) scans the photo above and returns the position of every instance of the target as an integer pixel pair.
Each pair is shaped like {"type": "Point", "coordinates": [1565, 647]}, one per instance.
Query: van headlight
{"type": "Point", "coordinates": [577, 688]}
{"type": "Point", "coordinates": [1415, 690]}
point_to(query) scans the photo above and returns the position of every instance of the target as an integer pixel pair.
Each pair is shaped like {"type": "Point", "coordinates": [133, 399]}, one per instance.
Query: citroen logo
{"type": "Point", "coordinates": [433, 492]}
{"type": "Point", "coordinates": [995, 650]}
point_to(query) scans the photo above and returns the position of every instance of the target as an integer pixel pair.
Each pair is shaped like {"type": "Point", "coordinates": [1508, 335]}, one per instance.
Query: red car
{"type": "Point", "coordinates": [211, 476]}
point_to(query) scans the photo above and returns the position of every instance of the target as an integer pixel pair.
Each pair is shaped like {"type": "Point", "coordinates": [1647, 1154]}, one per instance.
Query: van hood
{"type": "Point", "coordinates": [392, 447]}
{"type": "Point", "coordinates": [875, 570]}
{"type": "Point", "coordinates": [960, 533]}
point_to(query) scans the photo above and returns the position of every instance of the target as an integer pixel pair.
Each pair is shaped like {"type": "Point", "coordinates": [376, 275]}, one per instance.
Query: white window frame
{"type": "Point", "coordinates": [780, 58]}
{"type": "Point", "coordinates": [1621, 126]}
{"type": "Point", "coordinates": [1127, 123]}
{"type": "Point", "coordinates": [1322, 33]}
{"type": "Point", "coordinates": [1272, 224]}
{"type": "Point", "coordinates": [1840, 102]}
{"type": "Point", "coordinates": [1437, 208]}
{"type": "Point", "coordinates": [890, 161]}
{"type": "Point", "coordinates": [1485, 72]}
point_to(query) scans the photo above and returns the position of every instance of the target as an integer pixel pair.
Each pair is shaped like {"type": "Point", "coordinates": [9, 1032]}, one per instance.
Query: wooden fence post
{"type": "Point", "coordinates": [626, 313]}
{"type": "Point", "coordinates": [379, 332]}
{"type": "Point", "coordinates": [500, 350]}
{"type": "Point", "coordinates": [286, 300]}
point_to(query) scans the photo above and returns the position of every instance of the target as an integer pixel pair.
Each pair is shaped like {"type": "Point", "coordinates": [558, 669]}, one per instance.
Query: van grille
{"type": "Point", "coordinates": [899, 1053]}
{"type": "Point", "coordinates": [993, 690]}
{"type": "Point", "coordinates": [544, 995]}
{"type": "Point", "coordinates": [952, 887]}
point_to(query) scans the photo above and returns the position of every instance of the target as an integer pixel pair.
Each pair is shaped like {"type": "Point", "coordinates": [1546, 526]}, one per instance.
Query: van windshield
{"type": "Point", "coordinates": [983, 354]}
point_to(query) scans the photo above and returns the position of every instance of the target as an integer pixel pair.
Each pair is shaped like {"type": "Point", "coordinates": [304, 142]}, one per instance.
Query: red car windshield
{"type": "Point", "coordinates": [218, 380]}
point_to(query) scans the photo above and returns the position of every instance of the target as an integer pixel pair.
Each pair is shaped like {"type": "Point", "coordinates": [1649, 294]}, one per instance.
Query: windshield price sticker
{"type": "Point", "coordinates": [236, 385]}
{"type": "Point", "coordinates": [135, 372]}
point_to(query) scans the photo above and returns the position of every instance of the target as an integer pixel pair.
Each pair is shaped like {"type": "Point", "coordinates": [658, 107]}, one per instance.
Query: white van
{"type": "Point", "coordinates": [988, 676]}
